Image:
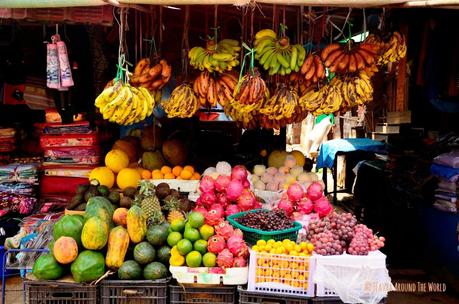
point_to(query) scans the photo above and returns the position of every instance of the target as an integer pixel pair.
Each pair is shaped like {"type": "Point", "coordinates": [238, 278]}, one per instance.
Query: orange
{"type": "Point", "coordinates": [186, 174]}
{"type": "Point", "coordinates": [169, 176]}
{"type": "Point", "coordinates": [196, 176]}
{"type": "Point", "coordinates": [156, 174]}
{"type": "Point", "coordinates": [177, 170]}
{"type": "Point", "coordinates": [189, 168]}
{"type": "Point", "coordinates": [166, 169]}
{"type": "Point", "coordinates": [146, 174]}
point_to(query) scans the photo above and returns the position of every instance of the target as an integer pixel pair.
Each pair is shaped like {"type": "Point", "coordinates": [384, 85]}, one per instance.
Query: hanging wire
{"type": "Point", "coordinates": [185, 42]}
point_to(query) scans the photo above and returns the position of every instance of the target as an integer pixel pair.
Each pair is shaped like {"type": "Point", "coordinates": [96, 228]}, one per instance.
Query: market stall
{"type": "Point", "coordinates": [163, 173]}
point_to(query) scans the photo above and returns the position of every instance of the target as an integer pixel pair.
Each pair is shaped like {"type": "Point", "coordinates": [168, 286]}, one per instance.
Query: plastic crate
{"type": "Point", "coordinates": [122, 291]}
{"type": "Point", "coordinates": [8, 272]}
{"type": "Point", "coordinates": [251, 235]}
{"type": "Point", "coordinates": [55, 292]}
{"type": "Point", "coordinates": [198, 295]}
{"type": "Point", "coordinates": [203, 275]}
{"type": "Point", "coordinates": [247, 297]}
{"type": "Point", "coordinates": [344, 268]}
{"type": "Point", "coordinates": [280, 274]}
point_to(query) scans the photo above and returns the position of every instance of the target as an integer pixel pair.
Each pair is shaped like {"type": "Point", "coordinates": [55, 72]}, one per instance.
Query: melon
{"type": "Point", "coordinates": [128, 147]}
{"type": "Point", "coordinates": [277, 158]}
{"type": "Point", "coordinates": [152, 160]}
{"type": "Point", "coordinates": [175, 152]}
{"type": "Point", "coordinates": [299, 157]}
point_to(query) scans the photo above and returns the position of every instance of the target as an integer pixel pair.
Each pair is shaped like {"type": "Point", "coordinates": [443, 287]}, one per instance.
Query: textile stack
{"type": "Point", "coordinates": [71, 151]}
{"type": "Point", "coordinates": [18, 188]}
{"type": "Point", "coordinates": [446, 168]}
{"type": "Point", "coordinates": [7, 144]}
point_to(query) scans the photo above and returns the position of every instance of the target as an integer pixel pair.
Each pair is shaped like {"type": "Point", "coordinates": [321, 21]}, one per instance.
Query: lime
{"type": "Point", "coordinates": [209, 259]}
{"type": "Point", "coordinates": [196, 219]}
{"type": "Point", "coordinates": [192, 234]}
{"type": "Point", "coordinates": [184, 246]}
{"type": "Point", "coordinates": [173, 238]}
{"type": "Point", "coordinates": [201, 246]}
{"type": "Point", "coordinates": [178, 225]}
{"type": "Point", "coordinates": [206, 231]}
{"type": "Point", "coordinates": [187, 225]}
{"type": "Point", "coordinates": [193, 259]}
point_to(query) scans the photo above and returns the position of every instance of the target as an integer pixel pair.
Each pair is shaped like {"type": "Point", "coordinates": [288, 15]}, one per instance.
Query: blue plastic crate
{"type": "Point", "coordinates": [9, 272]}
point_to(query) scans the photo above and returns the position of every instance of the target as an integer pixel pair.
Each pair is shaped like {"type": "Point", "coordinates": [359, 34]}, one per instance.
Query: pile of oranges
{"type": "Point", "coordinates": [283, 262]}
{"type": "Point", "coordinates": [177, 172]}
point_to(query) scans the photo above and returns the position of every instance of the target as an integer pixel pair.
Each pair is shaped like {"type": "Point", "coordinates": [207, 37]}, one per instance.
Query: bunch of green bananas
{"type": "Point", "coordinates": [183, 103]}
{"type": "Point", "coordinates": [124, 104]}
{"type": "Point", "coordinates": [278, 56]}
{"type": "Point", "coordinates": [216, 57]}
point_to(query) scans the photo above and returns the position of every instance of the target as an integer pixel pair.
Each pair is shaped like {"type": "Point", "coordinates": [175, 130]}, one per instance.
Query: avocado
{"type": "Point", "coordinates": [103, 190]}
{"type": "Point", "coordinates": [126, 202]}
{"type": "Point", "coordinates": [75, 201]}
{"type": "Point", "coordinates": [82, 189]}
{"type": "Point", "coordinates": [130, 192]}
{"type": "Point", "coordinates": [91, 192]}
{"type": "Point", "coordinates": [114, 197]}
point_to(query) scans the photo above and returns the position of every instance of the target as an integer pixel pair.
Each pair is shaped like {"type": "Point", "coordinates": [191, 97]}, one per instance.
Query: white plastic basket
{"type": "Point", "coordinates": [201, 275]}
{"type": "Point", "coordinates": [280, 274]}
{"type": "Point", "coordinates": [178, 184]}
{"type": "Point", "coordinates": [370, 270]}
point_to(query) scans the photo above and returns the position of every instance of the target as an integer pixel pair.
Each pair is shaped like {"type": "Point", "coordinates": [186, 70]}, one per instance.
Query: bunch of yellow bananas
{"type": "Point", "coordinates": [124, 104]}
{"type": "Point", "coordinates": [211, 89]}
{"type": "Point", "coordinates": [216, 57]}
{"type": "Point", "coordinates": [278, 56]}
{"type": "Point", "coordinates": [338, 95]}
{"type": "Point", "coordinates": [182, 103]}
{"type": "Point", "coordinates": [391, 51]}
{"type": "Point", "coordinates": [282, 104]}
{"type": "Point", "coordinates": [244, 115]}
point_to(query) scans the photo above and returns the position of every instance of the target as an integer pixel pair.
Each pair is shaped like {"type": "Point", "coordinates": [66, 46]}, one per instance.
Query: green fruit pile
{"type": "Point", "coordinates": [188, 240]}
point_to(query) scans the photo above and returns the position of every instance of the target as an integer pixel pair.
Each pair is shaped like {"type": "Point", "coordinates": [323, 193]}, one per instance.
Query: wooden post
{"type": "Point", "coordinates": [401, 98]}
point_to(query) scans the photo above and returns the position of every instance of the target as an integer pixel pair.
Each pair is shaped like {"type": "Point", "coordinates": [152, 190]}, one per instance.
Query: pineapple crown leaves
{"type": "Point", "coordinates": [147, 188]}
{"type": "Point", "coordinates": [171, 202]}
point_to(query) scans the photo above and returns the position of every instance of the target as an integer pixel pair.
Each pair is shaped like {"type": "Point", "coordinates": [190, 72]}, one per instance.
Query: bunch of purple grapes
{"type": "Point", "coordinates": [327, 243]}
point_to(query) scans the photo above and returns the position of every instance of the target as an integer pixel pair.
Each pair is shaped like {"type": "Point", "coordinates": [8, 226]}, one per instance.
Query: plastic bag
{"type": "Point", "coordinates": [354, 279]}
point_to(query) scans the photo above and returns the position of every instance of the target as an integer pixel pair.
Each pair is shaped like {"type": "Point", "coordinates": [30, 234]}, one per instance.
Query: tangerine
{"type": "Point", "coordinates": [186, 174]}
{"type": "Point", "coordinates": [196, 176]}
{"type": "Point", "coordinates": [156, 174]}
{"type": "Point", "coordinates": [169, 176]}
{"type": "Point", "coordinates": [146, 174]}
{"type": "Point", "coordinates": [177, 170]}
{"type": "Point", "coordinates": [189, 168]}
{"type": "Point", "coordinates": [166, 169]}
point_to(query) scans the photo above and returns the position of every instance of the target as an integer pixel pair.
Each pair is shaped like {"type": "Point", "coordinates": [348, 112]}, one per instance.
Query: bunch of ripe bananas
{"type": "Point", "coordinates": [212, 89]}
{"type": "Point", "coordinates": [348, 58]}
{"type": "Point", "coordinates": [152, 78]}
{"type": "Point", "coordinates": [391, 51]}
{"type": "Point", "coordinates": [245, 116]}
{"type": "Point", "coordinates": [312, 70]}
{"type": "Point", "coordinates": [215, 57]}
{"type": "Point", "coordinates": [251, 89]}
{"type": "Point", "coordinates": [124, 104]}
{"type": "Point", "coordinates": [278, 56]}
{"type": "Point", "coordinates": [283, 104]}
{"type": "Point", "coordinates": [182, 103]}
{"type": "Point", "coordinates": [338, 94]}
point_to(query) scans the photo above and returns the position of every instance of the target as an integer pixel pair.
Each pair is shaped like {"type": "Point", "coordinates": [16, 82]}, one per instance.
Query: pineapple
{"type": "Point", "coordinates": [175, 215]}
{"type": "Point", "coordinates": [149, 203]}
{"type": "Point", "coordinates": [171, 202]}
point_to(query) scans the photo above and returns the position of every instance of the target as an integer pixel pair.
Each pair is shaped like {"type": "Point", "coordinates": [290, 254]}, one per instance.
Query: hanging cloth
{"type": "Point", "coordinates": [58, 70]}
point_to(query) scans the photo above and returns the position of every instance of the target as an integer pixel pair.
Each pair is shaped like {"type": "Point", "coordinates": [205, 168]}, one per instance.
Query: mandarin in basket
{"type": "Point", "coordinates": [156, 174]}
{"type": "Point", "coordinates": [186, 174]}
{"type": "Point", "coordinates": [177, 170]}
{"type": "Point", "coordinates": [196, 176]}
{"type": "Point", "coordinates": [166, 169]}
{"type": "Point", "coordinates": [145, 174]}
{"type": "Point", "coordinates": [169, 176]}
{"type": "Point", "coordinates": [189, 168]}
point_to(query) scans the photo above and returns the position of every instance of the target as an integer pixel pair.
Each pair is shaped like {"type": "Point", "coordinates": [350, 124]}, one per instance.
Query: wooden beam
{"type": "Point", "coordinates": [401, 97]}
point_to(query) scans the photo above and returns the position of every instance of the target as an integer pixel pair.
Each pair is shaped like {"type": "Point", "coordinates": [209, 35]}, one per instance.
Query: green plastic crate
{"type": "Point", "coordinates": [251, 235]}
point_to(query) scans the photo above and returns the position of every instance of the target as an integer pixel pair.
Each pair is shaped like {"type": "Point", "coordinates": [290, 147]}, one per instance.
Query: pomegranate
{"type": "Point", "coordinates": [216, 244]}
{"type": "Point", "coordinates": [225, 259]}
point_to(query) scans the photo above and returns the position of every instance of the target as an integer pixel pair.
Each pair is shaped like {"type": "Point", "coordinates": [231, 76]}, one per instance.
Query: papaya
{"type": "Point", "coordinates": [65, 250]}
{"type": "Point", "coordinates": [88, 266]}
{"type": "Point", "coordinates": [94, 235]}
{"type": "Point", "coordinates": [100, 207]}
{"type": "Point", "coordinates": [136, 224]}
{"type": "Point", "coordinates": [47, 268]}
{"type": "Point", "coordinates": [118, 243]}
{"type": "Point", "coordinates": [69, 225]}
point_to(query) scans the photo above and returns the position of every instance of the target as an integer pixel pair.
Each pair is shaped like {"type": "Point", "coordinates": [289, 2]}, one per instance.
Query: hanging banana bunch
{"type": "Point", "coordinates": [278, 56]}
{"type": "Point", "coordinates": [154, 77]}
{"type": "Point", "coordinates": [211, 89]}
{"type": "Point", "coordinates": [215, 57]}
{"type": "Point", "coordinates": [392, 50]}
{"type": "Point", "coordinates": [182, 103]}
